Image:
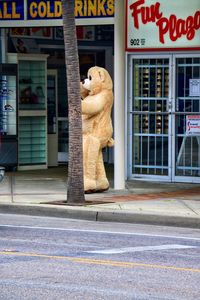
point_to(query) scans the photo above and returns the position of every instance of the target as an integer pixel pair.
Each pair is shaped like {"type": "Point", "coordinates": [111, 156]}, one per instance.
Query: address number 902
{"type": "Point", "coordinates": [135, 42]}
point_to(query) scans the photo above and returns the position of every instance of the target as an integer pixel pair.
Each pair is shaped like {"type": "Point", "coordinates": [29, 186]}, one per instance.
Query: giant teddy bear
{"type": "Point", "coordinates": [97, 101]}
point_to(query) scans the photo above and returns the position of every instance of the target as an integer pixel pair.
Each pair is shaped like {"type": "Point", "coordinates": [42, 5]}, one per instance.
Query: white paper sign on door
{"type": "Point", "coordinates": [193, 125]}
{"type": "Point", "coordinates": [194, 88]}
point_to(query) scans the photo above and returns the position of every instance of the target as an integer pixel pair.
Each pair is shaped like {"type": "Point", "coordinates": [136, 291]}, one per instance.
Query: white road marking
{"type": "Point", "coordinates": [99, 231]}
{"type": "Point", "coordinates": [141, 249]}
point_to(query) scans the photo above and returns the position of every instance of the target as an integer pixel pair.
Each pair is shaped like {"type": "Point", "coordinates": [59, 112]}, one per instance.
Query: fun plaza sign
{"type": "Point", "coordinates": [162, 24]}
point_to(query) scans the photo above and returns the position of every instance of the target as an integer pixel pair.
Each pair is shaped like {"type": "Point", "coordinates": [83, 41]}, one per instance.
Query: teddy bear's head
{"type": "Point", "coordinates": [98, 80]}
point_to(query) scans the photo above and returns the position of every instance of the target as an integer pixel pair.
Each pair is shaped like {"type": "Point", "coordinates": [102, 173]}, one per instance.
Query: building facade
{"type": "Point", "coordinates": [163, 90]}
{"type": "Point", "coordinates": [152, 51]}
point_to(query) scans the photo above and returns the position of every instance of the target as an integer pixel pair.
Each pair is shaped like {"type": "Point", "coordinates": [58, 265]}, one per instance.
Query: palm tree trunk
{"type": "Point", "coordinates": [75, 191]}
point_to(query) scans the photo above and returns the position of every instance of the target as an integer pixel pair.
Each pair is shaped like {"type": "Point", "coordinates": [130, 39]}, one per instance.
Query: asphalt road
{"type": "Point", "coordinates": [50, 258]}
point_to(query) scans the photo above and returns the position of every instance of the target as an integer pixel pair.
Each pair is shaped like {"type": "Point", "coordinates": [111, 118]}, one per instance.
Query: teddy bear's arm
{"type": "Point", "coordinates": [84, 92]}
{"type": "Point", "coordinates": [93, 105]}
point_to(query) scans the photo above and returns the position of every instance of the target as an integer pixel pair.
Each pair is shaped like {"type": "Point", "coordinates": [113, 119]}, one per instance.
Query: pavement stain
{"type": "Point", "coordinates": [155, 196]}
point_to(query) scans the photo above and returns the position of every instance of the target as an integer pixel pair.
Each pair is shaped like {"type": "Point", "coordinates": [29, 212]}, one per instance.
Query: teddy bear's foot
{"type": "Point", "coordinates": [102, 185]}
{"type": "Point", "coordinates": [89, 185]}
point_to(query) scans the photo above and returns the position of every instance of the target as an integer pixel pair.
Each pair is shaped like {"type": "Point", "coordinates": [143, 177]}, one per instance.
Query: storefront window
{"type": "Point", "coordinates": [7, 105]}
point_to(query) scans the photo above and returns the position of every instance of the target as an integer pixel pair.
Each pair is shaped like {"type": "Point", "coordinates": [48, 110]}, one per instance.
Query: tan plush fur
{"type": "Point", "coordinates": [97, 101]}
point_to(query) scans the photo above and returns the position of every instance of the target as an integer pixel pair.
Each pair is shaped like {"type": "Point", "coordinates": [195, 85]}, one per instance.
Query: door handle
{"type": "Point", "coordinates": [177, 104]}
{"type": "Point", "coordinates": [169, 105]}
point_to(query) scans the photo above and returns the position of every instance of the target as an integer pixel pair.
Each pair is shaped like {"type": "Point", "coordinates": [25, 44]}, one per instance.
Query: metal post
{"type": "Point", "coordinates": [119, 98]}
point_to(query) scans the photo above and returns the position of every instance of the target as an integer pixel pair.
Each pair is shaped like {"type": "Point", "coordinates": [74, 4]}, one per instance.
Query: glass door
{"type": "Point", "coordinates": [8, 115]}
{"type": "Point", "coordinates": [187, 119]}
{"type": "Point", "coordinates": [52, 117]}
{"type": "Point", "coordinates": [63, 140]}
{"type": "Point", "coordinates": [149, 122]}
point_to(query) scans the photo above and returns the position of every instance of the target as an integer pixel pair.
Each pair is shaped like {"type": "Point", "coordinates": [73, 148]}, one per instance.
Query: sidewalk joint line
{"type": "Point", "coordinates": [182, 201]}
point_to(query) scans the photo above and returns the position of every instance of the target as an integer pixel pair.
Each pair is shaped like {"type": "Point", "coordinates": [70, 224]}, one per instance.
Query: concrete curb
{"type": "Point", "coordinates": [149, 219]}
{"type": "Point", "coordinates": [97, 214]}
{"type": "Point", "coordinates": [49, 211]}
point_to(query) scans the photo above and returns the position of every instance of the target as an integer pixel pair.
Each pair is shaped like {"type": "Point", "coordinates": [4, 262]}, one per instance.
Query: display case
{"type": "Point", "coordinates": [151, 93]}
{"type": "Point", "coordinates": [32, 141]}
{"type": "Point", "coordinates": [32, 112]}
{"type": "Point", "coordinates": [32, 85]}
{"type": "Point", "coordinates": [8, 115]}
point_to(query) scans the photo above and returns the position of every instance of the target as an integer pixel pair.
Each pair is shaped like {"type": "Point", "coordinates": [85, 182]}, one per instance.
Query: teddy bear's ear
{"type": "Point", "coordinates": [101, 75]}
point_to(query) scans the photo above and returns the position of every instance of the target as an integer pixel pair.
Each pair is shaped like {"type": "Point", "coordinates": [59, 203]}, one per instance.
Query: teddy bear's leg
{"type": "Point", "coordinates": [91, 146]}
{"type": "Point", "coordinates": [102, 183]}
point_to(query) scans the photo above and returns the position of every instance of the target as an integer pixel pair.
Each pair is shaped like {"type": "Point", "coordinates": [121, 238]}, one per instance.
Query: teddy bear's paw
{"type": "Point", "coordinates": [84, 92]}
{"type": "Point", "coordinates": [102, 185]}
{"type": "Point", "coordinates": [89, 185]}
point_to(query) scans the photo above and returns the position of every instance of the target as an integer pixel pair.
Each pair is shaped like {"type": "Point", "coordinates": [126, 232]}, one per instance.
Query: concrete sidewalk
{"type": "Point", "coordinates": [44, 193]}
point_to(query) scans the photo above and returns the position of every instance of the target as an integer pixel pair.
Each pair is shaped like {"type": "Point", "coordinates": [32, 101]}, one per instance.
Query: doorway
{"type": "Point", "coordinates": [100, 56]}
{"type": "Point", "coordinates": [163, 97]}
{"type": "Point", "coordinates": [52, 113]}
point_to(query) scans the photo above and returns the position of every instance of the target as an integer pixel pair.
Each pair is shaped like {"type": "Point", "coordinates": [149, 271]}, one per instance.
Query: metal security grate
{"type": "Point", "coordinates": [187, 148]}
{"type": "Point", "coordinates": [149, 115]}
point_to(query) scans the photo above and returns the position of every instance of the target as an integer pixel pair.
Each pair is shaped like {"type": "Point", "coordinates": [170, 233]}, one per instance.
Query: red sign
{"type": "Point", "coordinates": [163, 25]}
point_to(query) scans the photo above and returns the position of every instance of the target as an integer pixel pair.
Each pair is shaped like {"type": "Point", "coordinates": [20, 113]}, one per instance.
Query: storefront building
{"type": "Point", "coordinates": [34, 129]}
{"type": "Point", "coordinates": [151, 49]}
{"type": "Point", "coordinates": [163, 90]}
